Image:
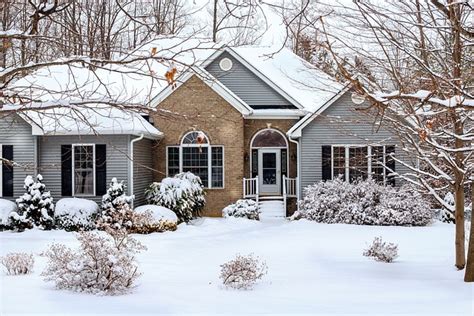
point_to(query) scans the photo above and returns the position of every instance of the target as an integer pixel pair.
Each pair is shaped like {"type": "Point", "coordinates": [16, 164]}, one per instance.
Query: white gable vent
{"type": "Point", "coordinates": [357, 98]}
{"type": "Point", "coordinates": [225, 64]}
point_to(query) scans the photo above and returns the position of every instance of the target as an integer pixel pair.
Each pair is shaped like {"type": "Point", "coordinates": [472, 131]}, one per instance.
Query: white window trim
{"type": "Point", "coordinates": [74, 169]}
{"type": "Point", "coordinates": [209, 159]}
{"type": "Point", "coordinates": [1, 171]}
{"type": "Point", "coordinates": [369, 160]}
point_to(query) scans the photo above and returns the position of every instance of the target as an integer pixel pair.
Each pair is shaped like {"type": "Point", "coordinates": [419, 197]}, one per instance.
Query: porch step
{"type": "Point", "coordinates": [271, 197]}
{"type": "Point", "coordinates": [272, 210]}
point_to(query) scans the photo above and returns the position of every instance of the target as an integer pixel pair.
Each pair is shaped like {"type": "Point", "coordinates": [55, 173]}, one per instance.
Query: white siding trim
{"type": "Point", "coordinates": [1, 171]}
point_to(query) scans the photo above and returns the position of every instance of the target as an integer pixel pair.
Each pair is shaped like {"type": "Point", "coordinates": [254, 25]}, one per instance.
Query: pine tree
{"type": "Point", "coordinates": [115, 195]}
{"type": "Point", "coordinates": [35, 207]}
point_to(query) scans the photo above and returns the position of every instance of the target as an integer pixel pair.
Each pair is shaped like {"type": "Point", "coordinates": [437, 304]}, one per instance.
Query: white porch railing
{"type": "Point", "coordinates": [289, 188]}
{"type": "Point", "coordinates": [250, 188]}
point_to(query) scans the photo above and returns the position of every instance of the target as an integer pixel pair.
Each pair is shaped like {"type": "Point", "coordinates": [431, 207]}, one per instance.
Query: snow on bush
{"type": "Point", "coordinates": [155, 219]}
{"type": "Point", "coordinates": [18, 263]}
{"type": "Point", "coordinates": [141, 222]}
{"type": "Point", "coordinates": [115, 195]}
{"type": "Point", "coordinates": [243, 272]}
{"type": "Point", "coordinates": [104, 263]}
{"type": "Point", "coordinates": [73, 214]}
{"type": "Point", "coordinates": [183, 194]}
{"type": "Point", "coordinates": [35, 207]}
{"type": "Point", "coordinates": [382, 251]}
{"type": "Point", "coordinates": [364, 203]}
{"type": "Point", "coordinates": [6, 207]}
{"type": "Point", "coordinates": [242, 208]}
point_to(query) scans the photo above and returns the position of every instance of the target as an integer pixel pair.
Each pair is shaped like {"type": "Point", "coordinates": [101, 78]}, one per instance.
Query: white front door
{"type": "Point", "coordinates": [269, 171]}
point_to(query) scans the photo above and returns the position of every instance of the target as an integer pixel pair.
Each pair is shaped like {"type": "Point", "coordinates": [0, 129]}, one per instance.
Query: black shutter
{"type": "Point", "coordinates": [284, 162]}
{"type": "Point", "coordinates": [7, 170]}
{"type": "Point", "coordinates": [326, 163]}
{"type": "Point", "coordinates": [390, 162]}
{"type": "Point", "coordinates": [100, 169]}
{"type": "Point", "coordinates": [254, 163]}
{"type": "Point", "coordinates": [66, 170]}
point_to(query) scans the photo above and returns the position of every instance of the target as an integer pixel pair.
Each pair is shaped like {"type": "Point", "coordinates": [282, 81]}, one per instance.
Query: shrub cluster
{"type": "Point", "coordinates": [382, 251]}
{"type": "Point", "coordinates": [18, 263]}
{"type": "Point", "coordinates": [364, 203]}
{"type": "Point", "coordinates": [242, 208]}
{"type": "Point", "coordinates": [104, 263]}
{"type": "Point", "coordinates": [183, 194]}
{"type": "Point", "coordinates": [243, 272]}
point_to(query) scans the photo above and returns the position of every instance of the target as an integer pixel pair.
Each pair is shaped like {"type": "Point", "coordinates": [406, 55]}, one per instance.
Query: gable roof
{"type": "Point", "coordinates": [296, 130]}
{"type": "Point", "coordinates": [210, 81]}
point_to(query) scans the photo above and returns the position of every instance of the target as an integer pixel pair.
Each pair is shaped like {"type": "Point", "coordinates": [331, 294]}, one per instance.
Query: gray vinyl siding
{"type": "Point", "coordinates": [50, 159]}
{"type": "Point", "coordinates": [142, 174]}
{"type": "Point", "coordinates": [246, 85]}
{"type": "Point", "coordinates": [341, 124]}
{"type": "Point", "coordinates": [15, 131]}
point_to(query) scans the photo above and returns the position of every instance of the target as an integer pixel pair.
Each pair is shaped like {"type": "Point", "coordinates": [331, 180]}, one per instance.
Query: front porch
{"type": "Point", "coordinates": [272, 205]}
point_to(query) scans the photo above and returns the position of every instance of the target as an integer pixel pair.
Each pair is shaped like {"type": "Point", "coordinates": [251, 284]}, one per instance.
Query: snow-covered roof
{"type": "Point", "coordinates": [306, 86]}
{"type": "Point", "coordinates": [90, 120]}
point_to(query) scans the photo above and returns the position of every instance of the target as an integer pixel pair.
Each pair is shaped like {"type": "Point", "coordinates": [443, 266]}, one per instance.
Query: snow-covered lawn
{"type": "Point", "coordinates": [313, 269]}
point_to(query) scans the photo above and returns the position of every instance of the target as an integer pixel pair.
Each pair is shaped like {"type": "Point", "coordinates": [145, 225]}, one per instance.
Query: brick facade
{"type": "Point", "coordinates": [195, 106]}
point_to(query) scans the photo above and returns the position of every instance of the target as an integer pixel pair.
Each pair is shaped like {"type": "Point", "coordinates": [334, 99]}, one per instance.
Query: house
{"type": "Point", "coordinates": [252, 122]}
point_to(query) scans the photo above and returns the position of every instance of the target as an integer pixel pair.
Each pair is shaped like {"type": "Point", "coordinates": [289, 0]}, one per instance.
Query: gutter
{"type": "Point", "coordinates": [132, 142]}
{"type": "Point", "coordinates": [298, 170]}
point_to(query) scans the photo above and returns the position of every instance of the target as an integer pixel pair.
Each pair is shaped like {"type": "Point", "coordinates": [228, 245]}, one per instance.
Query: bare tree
{"type": "Point", "coordinates": [413, 61]}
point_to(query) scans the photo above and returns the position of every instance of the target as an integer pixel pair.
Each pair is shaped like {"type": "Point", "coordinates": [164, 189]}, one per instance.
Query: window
{"type": "Point", "coordinates": [359, 162]}
{"type": "Point", "coordinates": [196, 155]}
{"type": "Point", "coordinates": [83, 162]}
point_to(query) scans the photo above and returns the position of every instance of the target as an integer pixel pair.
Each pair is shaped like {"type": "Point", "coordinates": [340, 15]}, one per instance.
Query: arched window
{"type": "Point", "coordinates": [195, 154]}
{"type": "Point", "coordinates": [269, 138]}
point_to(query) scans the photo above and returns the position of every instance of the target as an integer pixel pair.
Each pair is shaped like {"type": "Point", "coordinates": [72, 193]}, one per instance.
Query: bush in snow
{"type": "Point", "coordinates": [242, 208]}
{"type": "Point", "coordinates": [242, 272]}
{"type": "Point", "coordinates": [35, 207]}
{"type": "Point", "coordinates": [104, 263]}
{"type": "Point", "coordinates": [382, 251]}
{"type": "Point", "coordinates": [364, 203]}
{"type": "Point", "coordinates": [18, 263]}
{"type": "Point", "coordinates": [73, 214]}
{"type": "Point", "coordinates": [154, 218]}
{"type": "Point", "coordinates": [183, 194]}
{"type": "Point", "coordinates": [115, 195]}
{"type": "Point", "coordinates": [6, 207]}
{"type": "Point", "coordinates": [116, 217]}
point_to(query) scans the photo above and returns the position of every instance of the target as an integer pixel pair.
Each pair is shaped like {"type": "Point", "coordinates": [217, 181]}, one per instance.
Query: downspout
{"type": "Point", "coordinates": [298, 170]}
{"type": "Point", "coordinates": [133, 141]}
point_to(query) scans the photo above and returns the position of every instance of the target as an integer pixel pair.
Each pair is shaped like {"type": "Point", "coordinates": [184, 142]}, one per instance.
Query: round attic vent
{"type": "Point", "coordinates": [357, 98]}
{"type": "Point", "coordinates": [225, 64]}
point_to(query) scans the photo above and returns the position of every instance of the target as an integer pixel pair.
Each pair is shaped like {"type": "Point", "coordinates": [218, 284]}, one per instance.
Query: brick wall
{"type": "Point", "coordinates": [195, 106]}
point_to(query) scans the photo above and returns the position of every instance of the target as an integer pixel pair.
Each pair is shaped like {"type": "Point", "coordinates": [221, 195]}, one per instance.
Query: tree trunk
{"type": "Point", "coordinates": [469, 274]}
{"type": "Point", "coordinates": [460, 235]}
{"type": "Point", "coordinates": [214, 23]}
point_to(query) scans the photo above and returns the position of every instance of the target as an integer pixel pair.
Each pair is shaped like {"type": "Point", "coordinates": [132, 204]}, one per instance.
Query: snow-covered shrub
{"type": "Point", "coordinates": [242, 272]}
{"type": "Point", "coordinates": [364, 203]}
{"type": "Point", "coordinates": [115, 195]}
{"type": "Point", "coordinates": [6, 207]}
{"type": "Point", "coordinates": [35, 207]}
{"type": "Point", "coordinates": [104, 263]}
{"type": "Point", "coordinates": [183, 194]}
{"type": "Point", "coordinates": [154, 218]}
{"type": "Point", "coordinates": [382, 251]}
{"type": "Point", "coordinates": [242, 208]}
{"type": "Point", "coordinates": [73, 214]}
{"type": "Point", "coordinates": [116, 217]}
{"type": "Point", "coordinates": [18, 263]}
